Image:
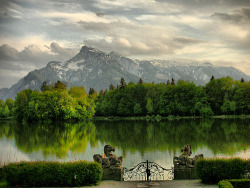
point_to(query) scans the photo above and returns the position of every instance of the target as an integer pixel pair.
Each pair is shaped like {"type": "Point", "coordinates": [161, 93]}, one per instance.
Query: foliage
{"type": "Point", "coordinates": [149, 106]}
{"type": "Point", "coordinates": [137, 109]}
{"type": "Point", "coordinates": [49, 174]}
{"type": "Point", "coordinates": [214, 170]}
{"type": "Point", "coordinates": [240, 183]}
{"type": "Point", "coordinates": [236, 183]}
{"type": "Point", "coordinates": [2, 176]}
{"type": "Point", "coordinates": [57, 103]}
{"type": "Point", "coordinates": [225, 184]}
{"type": "Point", "coordinates": [219, 96]}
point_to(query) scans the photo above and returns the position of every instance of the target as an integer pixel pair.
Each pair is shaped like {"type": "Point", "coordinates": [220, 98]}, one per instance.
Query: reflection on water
{"type": "Point", "coordinates": [135, 140]}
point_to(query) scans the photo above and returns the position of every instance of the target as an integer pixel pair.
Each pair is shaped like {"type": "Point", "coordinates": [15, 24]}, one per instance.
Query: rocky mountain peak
{"type": "Point", "coordinates": [97, 69]}
{"type": "Point", "coordinates": [115, 54]}
{"type": "Point", "coordinates": [89, 50]}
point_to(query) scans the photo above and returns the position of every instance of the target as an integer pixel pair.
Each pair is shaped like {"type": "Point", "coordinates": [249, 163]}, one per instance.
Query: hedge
{"type": "Point", "coordinates": [243, 183]}
{"type": "Point", "coordinates": [240, 183]}
{"type": "Point", "coordinates": [1, 174]}
{"type": "Point", "coordinates": [215, 170]}
{"type": "Point", "coordinates": [225, 184]}
{"type": "Point", "coordinates": [53, 174]}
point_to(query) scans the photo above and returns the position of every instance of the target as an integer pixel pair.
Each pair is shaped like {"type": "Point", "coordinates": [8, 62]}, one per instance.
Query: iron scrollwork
{"type": "Point", "coordinates": [147, 171]}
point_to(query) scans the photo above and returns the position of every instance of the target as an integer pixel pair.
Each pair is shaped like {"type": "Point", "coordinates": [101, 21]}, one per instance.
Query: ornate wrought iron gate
{"type": "Point", "coordinates": [147, 171]}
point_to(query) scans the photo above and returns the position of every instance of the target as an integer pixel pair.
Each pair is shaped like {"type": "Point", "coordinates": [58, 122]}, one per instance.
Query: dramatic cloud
{"type": "Point", "coordinates": [211, 30]}
{"type": "Point", "coordinates": [239, 17]}
{"type": "Point", "coordinates": [15, 64]}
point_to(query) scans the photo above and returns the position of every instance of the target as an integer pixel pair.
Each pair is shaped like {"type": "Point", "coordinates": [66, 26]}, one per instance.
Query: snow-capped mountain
{"type": "Point", "coordinates": [96, 69]}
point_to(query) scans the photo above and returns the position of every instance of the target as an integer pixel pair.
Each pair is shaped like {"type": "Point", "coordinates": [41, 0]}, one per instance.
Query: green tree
{"type": "Point", "coordinates": [242, 98]}
{"type": "Point", "coordinates": [78, 92]}
{"type": "Point", "coordinates": [1, 107]}
{"type": "Point", "coordinates": [2, 103]}
{"type": "Point", "coordinates": [137, 109]}
{"type": "Point", "coordinates": [149, 106]}
{"type": "Point", "coordinates": [6, 111]}
{"type": "Point", "coordinates": [122, 83]}
{"type": "Point", "coordinates": [46, 87]}
{"type": "Point", "coordinates": [111, 87]}
{"type": "Point", "coordinates": [173, 82]}
{"type": "Point", "coordinates": [140, 81]}
{"type": "Point", "coordinates": [219, 90]}
{"type": "Point", "coordinates": [228, 107]}
{"type": "Point", "coordinates": [9, 103]}
{"type": "Point", "coordinates": [101, 93]}
{"type": "Point", "coordinates": [21, 103]}
{"type": "Point", "coordinates": [60, 85]}
{"type": "Point", "coordinates": [212, 78]}
{"type": "Point", "coordinates": [124, 108]}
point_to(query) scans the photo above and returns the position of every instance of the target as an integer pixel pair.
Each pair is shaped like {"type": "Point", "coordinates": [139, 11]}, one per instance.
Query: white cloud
{"type": "Point", "coordinates": [216, 30]}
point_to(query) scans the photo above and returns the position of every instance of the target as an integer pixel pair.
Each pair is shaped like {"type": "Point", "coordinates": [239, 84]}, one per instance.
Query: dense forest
{"type": "Point", "coordinates": [219, 96]}
{"type": "Point", "coordinates": [53, 102]}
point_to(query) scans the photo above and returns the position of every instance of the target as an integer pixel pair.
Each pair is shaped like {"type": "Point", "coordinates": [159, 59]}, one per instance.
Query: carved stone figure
{"type": "Point", "coordinates": [184, 159]}
{"type": "Point", "coordinates": [104, 161]}
{"type": "Point", "coordinates": [108, 150]}
{"type": "Point", "coordinates": [109, 159]}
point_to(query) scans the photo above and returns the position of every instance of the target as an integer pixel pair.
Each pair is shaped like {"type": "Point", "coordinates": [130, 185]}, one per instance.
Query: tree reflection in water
{"type": "Point", "coordinates": [58, 138]}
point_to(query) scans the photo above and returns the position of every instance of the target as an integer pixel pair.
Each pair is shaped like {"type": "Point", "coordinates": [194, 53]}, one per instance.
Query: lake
{"type": "Point", "coordinates": [136, 141]}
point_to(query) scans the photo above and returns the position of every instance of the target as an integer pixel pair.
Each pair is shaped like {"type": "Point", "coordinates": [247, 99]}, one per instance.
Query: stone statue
{"type": "Point", "coordinates": [109, 159]}
{"type": "Point", "coordinates": [184, 159]}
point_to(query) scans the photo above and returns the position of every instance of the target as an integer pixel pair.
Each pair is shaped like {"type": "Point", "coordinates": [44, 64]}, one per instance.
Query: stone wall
{"type": "Point", "coordinates": [112, 173]}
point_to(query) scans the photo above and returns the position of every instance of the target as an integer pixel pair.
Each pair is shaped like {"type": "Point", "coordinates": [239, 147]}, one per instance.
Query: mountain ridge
{"type": "Point", "coordinates": [94, 68]}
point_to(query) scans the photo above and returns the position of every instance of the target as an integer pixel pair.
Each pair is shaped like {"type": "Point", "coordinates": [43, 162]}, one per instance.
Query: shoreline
{"type": "Point", "coordinates": [155, 118]}
{"type": "Point", "coordinates": [152, 118]}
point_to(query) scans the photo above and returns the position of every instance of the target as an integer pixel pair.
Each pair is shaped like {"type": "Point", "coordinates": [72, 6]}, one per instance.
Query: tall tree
{"type": "Point", "coordinates": [60, 85]}
{"type": "Point", "coordinates": [122, 83]}
{"type": "Point", "coordinates": [111, 87]}
{"type": "Point", "coordinates": [44, 86]}
{"type": "Point", "coordinates": [105, 92]}
{"type": "Point", "coordinates": [172, 82]}
{"type": "Point", "coordinates": [137, 109]}
{"type": "Point", "coordinates": [140, 81]}
{"type": "Point", "coordinates": [212, 78]}
{"type": "Point", "coordinates": [91, 91]}
{"type": "Point", "coordinates": [149, 106]}
{"type": "Point", "coordinates": [168, 83]}
{"type": "Point", "coordinates": [242, 80]}
{"type": "Point", "coordinates": [101, 92]}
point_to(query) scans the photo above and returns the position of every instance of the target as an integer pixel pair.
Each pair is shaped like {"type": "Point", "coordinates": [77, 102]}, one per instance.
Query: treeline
{"type": "Point", "coordinates": [219, 96]}
{"type": "Point", "coordinates": [53, 102]}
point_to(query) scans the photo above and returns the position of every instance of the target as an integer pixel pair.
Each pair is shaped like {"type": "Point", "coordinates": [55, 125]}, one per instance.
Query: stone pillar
{"type": "Point", "coordinates": [112, 173]}
{"type": "Point", "coordinates": [181, 173]}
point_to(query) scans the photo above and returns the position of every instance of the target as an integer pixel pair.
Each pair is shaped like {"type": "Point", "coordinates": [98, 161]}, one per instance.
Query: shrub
{"type": "Point", "coordinates": [44, 173]}
{"type": "Point", "coordinates": [240, 183]}
{"type": "Point", "coordinates": [214, 170]}
{"type": "Point", "coordinates": [225, 184]}
{"type": "Point", "coordinates": [1, 174]}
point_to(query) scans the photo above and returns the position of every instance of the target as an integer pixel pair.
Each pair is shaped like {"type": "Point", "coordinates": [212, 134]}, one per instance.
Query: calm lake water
{"type": "Point", "coordinates": [136, 141]}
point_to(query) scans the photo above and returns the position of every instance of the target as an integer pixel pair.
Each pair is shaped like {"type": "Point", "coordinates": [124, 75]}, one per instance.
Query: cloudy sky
{"type": "Point", "coordinates": [34, 32]}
